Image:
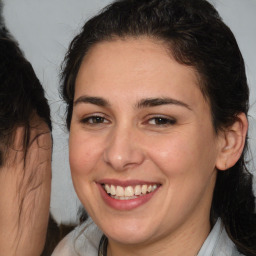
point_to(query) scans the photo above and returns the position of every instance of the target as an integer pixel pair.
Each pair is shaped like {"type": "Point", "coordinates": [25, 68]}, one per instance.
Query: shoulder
{"type": "Point", "coordinates": [225, 246]}
{"type": "Point", "coordinates": [218, 243]}
{"type": "Point", "coordinates": [83, 241]}
{"type": "Point", "coordinates": [62, 248]}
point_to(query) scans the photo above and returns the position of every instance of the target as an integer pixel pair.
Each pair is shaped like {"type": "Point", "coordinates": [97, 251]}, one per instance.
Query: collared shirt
{"type": "Point", "coordinates": [84, 241]}
{"type": "Point", "coordinates": [218, 243]}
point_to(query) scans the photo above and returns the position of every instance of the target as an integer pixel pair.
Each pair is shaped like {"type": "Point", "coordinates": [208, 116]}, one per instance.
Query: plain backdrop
{"type": "Point", "coordinates": [44, 29]}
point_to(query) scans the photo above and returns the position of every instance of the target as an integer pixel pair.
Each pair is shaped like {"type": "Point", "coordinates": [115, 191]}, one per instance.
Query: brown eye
{"type": "Point", "coordinates": [94, 120]}
{"type": "Point", "coordinates": [161, 121]}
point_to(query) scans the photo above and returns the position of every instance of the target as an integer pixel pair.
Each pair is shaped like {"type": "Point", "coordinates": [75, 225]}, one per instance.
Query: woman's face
{"type": "Point", "coordinates": [142, 146]}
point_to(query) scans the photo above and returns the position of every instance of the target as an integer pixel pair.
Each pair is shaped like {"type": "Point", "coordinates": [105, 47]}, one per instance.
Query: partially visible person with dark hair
{"type": "Point", "coordinates": [25, 158]}
{"type": "Point", "coordinates": [26, 148]}
{"type": "Point", "coordinates": [157, 103]}
{"type": "Point", "coordinates": [25, 154]}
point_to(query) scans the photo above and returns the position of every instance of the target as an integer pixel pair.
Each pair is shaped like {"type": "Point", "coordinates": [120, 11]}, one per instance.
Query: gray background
{"type": "Point", "coordinates": [44, 29]}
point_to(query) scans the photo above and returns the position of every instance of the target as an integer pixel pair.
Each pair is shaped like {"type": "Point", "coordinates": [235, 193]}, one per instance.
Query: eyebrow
{"type": "Point", "coordinates": [92, 100]}
{"type": "Point", "coordinates": [153, 102]}
{"type": "Point", "coordinates": [148, 102]}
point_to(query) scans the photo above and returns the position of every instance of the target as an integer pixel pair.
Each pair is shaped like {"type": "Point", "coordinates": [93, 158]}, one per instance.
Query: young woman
{"type": "Point", "coordinates": [157, 103]}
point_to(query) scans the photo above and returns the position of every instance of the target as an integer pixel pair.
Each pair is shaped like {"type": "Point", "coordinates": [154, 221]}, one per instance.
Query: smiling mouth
{"type": "Point", "coordinates": [129, 192]}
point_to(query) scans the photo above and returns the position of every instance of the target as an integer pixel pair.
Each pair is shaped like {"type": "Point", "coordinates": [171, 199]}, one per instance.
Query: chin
{"type": "Point", "coordinates": [128, 232]}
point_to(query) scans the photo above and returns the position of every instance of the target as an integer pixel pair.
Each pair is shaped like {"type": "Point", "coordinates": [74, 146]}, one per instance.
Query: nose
{"type": "Point", "coordinates": [123, 151]}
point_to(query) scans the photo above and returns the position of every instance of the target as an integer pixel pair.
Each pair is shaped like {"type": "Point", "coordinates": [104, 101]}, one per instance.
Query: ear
{"type": "Point", "coordinates": [232, 140]}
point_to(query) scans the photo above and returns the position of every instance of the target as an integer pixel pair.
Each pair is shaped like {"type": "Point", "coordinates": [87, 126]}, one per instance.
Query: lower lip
{"type": "Point", "coordinates": [125, 205]}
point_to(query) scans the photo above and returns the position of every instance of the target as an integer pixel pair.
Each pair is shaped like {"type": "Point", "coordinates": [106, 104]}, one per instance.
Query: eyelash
{"type": "Point", "coordinates": [94, 120]}
{"type": "Point", "coordinates": [161, 121]}
{"type": "Point", "coordinates": [158, 121]}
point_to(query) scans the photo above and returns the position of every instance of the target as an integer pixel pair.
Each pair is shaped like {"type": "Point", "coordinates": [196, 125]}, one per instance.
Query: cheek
{"type": "Point", "coordinates": [83, 158]}
{"type": "Point", "coordinates": [170, 151]}
{"type": "Point", "coordinates": [83, 154]}
{"type": "Point", "coordinates": [181, 154]}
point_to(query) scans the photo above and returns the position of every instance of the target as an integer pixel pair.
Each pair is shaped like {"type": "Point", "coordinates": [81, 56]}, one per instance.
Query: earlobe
{"type": "Point", "coordinates": [232, 143]}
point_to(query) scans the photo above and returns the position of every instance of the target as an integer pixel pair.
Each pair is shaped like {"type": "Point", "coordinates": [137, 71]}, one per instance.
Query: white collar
{"type": "Point", "coordinates": [218, 243]}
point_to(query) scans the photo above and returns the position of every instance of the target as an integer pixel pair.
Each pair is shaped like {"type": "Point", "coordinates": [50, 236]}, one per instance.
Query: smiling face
{"type": "Point", "coordinates": [142, 145]}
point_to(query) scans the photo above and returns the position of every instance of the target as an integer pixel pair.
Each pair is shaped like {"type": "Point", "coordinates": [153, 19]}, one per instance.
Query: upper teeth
{"type": "Point", "coordinates": [129, 191]}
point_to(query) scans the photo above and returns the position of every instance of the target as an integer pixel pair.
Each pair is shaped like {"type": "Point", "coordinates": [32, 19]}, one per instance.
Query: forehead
{"type": "Point", "coordinates": [140, 67]}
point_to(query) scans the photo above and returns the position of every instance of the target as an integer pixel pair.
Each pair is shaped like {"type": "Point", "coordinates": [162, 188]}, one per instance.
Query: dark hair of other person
{"type": "Point", "coordinates": [196, 36]}
{"type": "Point", "coordinates": [21, 94]}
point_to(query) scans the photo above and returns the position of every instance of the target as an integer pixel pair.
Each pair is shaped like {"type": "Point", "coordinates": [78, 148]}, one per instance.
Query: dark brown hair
{"type": "Point", "coordinates": [21, 94]}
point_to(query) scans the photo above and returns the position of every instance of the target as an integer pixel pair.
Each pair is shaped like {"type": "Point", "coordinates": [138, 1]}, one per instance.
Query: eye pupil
{"type": "Point", "coordinates": [161, 121]}
{"type": "Point", "coordinates": [97, 119]}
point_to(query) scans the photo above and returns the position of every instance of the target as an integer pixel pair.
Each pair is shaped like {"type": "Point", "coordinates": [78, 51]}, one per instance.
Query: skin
{"type": "Point", "coordinates": [25, 233]}
{"type": "Point", "coordinates": [129, 142]}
